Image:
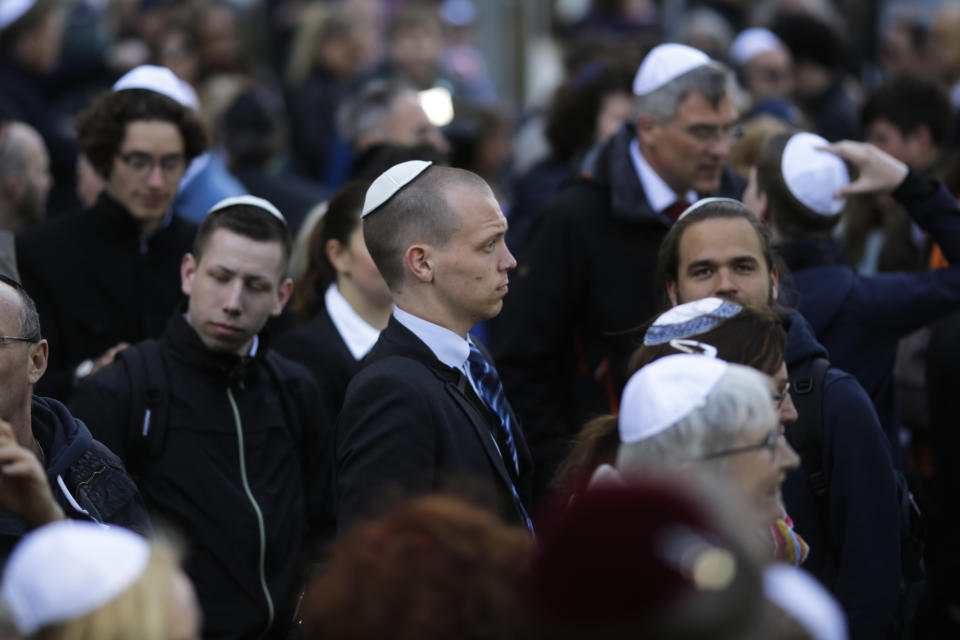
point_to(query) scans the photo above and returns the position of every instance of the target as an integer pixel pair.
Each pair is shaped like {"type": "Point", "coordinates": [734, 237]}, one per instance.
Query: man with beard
{"type": "Point", "coordinates": [849, 517]}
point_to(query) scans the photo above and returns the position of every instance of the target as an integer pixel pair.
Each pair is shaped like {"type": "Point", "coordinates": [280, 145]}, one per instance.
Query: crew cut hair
{"type": "Point", "coordinates": [248, 221]}
{"type": "Point", "coordinates": [420, 212]}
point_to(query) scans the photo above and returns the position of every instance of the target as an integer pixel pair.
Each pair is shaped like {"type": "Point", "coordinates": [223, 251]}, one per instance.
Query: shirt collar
{"type": "Point", "coordinates": [447, 346]}
{"type": "Point", "coordinates": [659, 194]}
{"type": "Point", "coordinates": [358, 335]}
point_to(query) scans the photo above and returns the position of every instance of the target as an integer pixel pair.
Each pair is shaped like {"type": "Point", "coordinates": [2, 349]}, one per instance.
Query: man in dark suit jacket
{"type": "Point", "coordinates": [427, 412]}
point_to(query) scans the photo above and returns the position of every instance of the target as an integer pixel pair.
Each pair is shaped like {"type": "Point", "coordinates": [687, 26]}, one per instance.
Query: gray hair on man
{"type": "Point", "coordinates": [738, 402]}
{"type": "Point", "coordinates": [713, 80]}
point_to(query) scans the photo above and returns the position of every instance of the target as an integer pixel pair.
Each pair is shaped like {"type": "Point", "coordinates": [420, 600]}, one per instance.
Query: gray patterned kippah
{"type": "Point", "coordinates": [690, 319]}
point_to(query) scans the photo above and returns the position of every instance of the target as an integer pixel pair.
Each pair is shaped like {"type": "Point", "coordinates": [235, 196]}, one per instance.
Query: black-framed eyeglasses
{"type": "Point", "coordinates": [769, 443]}
{"type": "Point", "coordinates": [142, 164]}
{"type": "Point", "coordinates": [5, 340]}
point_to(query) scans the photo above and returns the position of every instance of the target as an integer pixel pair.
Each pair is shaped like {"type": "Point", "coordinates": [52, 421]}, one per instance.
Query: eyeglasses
{"type": "Point", "coordinates": [780, 397]}
{"type": "Point", "coordinates": [707, 134]}
{"type": "Point", "coordinates": [769, 443]}
{"type": "Point", "coordinates": [5, 340]}
{"type": "Point", "coordinates": [142, 164]}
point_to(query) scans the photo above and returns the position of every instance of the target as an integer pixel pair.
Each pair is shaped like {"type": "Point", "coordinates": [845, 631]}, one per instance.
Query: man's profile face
{"type": "Point", "coordinates": [471, 269]}
{"type": "Point", "coordinates": [234, 289]}
{"type": "Point", "coordinates": [146, 171]}
{"type": "Point", "coordinates": [21, 363]}
{"type": "Point", "coordinates": [689, 151]}
{"type": "Point", "coordinates": [722, 257]}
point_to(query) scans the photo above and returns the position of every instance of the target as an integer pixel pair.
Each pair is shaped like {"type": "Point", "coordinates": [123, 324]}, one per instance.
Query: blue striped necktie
{"type": "Point", "coordinates": [491, 392]}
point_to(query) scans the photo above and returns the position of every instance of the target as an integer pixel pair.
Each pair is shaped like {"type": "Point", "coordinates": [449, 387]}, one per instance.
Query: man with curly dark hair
{"type": "Point", "coordinates": [108, 276]}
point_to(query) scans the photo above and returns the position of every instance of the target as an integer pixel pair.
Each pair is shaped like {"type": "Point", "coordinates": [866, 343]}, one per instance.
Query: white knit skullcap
{"type": "Point", "coordinates": [664, 392]}
{"type": "Point", "coordinates": [751, 43]}
{"type": "Point", "coordinates": [69, 569]}
{"type": "Point", "coordinates": [390, 182]}
{"type": "Point", "coordinates": [160, 80]}
{"type": "Point", "coordinates": [812, 175]}
{"type": "Point", "coordinates": [252, 201]}
{"type": "Point", "coordinates": [13, 10]}
{"type": "Point", "coordinates": [705, 201]}
{"type": "Point", "coordinates": [664, 63]}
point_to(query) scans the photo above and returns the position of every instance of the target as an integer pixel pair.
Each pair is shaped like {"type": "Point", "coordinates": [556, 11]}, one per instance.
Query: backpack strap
{"type": "Point", "coordinates": [807, 382]}
{"type": "Point", "coordinates": [149, 409]}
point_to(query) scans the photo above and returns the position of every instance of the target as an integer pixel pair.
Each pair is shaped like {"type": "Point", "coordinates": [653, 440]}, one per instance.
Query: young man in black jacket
{"type": "Point", "coordinates": [229, 445]}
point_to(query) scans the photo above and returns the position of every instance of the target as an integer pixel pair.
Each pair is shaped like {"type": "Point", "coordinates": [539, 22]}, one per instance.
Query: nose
{"type": "Point", "coordinates": [787, 457]}
{"type": "Point", "coordinates": [509, 262]}
{"type": "Point", "coordinates": [155, 177]}
{"type": "Point", "coordinates": [725, 286]}
{"type": "Point", "coordinates": [232, 303]}
{"type": "Point", "coordinates": [788, 410]}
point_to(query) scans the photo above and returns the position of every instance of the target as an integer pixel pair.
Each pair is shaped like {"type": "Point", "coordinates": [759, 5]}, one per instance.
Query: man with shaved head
{"type": "Point", "coordinates": [427, 411]}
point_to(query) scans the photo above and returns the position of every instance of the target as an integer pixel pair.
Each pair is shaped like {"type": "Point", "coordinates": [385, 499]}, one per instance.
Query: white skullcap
{"type": "Point", "coordinates": [252, 201]}
{"type": "Point", "coordinates": [160, 80]}
{"type": "Point", "coordinates": [664, 63]}
{"type": "Point", "coordinates": [664, 392]}
{"type": "Point", "coordinates": [69, 569]}
{"type": "Point", "coordinates": [389, 182]}
{"type": "Point", "coordinates": [690, 319]}
{"type": "Point", "coordinates": [806, 601]}
{"type": "Point", "coordinates": [751, 43]}
{"type": "Point", "coordinates": [12, 10]}
{"type": "Point", "coordinates": [812, 175]}
{"type": "Point", "coordinates": [704, 201]}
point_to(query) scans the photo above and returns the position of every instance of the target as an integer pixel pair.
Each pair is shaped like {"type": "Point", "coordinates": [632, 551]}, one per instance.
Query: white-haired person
{"type": "Point", "coordinates": [702, 415]}
{"type": "Point", "coordinates": [78, 580]}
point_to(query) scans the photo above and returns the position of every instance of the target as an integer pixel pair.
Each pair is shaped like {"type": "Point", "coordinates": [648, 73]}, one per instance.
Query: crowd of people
{"type": "Point", "coordinates": [305, 332]}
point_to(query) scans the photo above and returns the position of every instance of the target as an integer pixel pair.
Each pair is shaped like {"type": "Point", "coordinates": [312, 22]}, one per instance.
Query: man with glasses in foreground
{"type": "Point", "coordinates": [108, 276]}
{"type": "Point", "coordinates": [561, 342]}
{"type": "Point", "coordinates": [52, 468]}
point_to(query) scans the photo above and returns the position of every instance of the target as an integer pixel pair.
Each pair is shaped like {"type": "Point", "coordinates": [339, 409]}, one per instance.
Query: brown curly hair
{"type": "Point", "coordinates": [102, 127]}
{"type": "Point", "coordinates": [435, 568]}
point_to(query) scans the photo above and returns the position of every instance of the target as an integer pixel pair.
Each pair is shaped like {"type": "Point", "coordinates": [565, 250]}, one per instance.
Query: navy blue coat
{"type": "Point", "coordinates": [860, 319]}
{"type": "Point", "coordinates": [412, 425]}
{"type": "Point", "coordinates": [863, 530]}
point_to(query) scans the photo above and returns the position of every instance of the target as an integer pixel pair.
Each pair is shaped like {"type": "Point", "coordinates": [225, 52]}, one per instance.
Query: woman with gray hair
{"type": "Point", "coordinates": [698, 412]}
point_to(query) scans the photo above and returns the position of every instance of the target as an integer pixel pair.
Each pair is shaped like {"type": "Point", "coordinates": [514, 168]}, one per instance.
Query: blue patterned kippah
{"type": "Point", "coordinates": [690, 319]}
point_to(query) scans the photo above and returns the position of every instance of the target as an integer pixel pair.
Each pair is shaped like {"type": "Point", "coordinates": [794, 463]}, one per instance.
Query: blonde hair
{"type": "Point", "coordinates": [139, 612]}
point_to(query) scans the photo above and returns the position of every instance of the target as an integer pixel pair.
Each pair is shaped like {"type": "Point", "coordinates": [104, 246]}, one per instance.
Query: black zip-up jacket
{"type": "Point", "coordinates": [235, 491]}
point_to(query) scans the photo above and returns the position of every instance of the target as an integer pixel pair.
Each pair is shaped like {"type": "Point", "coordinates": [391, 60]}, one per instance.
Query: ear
{"type": "Point", "coordinates": [283, 295]}
{"type": "Point", "coordinates": [672, 292]}
{"type": "Point", "coordinates": [37, 361]}
{"type": "Point", "coordinates": [647, 128]}
{"type": "Point", "coordinates": [188, 268]}
{"type": "Point", "coordinates": [774, 283]}
{"type": "Point", "coordinates": [336, 254]}
{"type": "Point", "coordinates": [12, 189]}
{"type": "Point", "coordinates": [419, 262]}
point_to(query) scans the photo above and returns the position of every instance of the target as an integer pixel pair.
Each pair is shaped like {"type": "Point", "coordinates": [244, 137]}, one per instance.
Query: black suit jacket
{"type": "Point", "coordinates": [412, 425]}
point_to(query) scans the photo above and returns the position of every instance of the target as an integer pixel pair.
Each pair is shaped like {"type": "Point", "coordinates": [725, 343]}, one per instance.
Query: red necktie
{"type": "Point", "coordinates": [677, 208]}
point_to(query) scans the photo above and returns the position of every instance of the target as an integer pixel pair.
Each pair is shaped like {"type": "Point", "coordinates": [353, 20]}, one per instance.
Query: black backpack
{"type": "Point", "coordinates": [807, 437]}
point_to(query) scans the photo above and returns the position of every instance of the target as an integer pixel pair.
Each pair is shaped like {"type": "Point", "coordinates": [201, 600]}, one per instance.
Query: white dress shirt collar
{"type": "Point", "coordinates": [447, 346]}
{"type": "Point", "coordinates": [357, 334]}
{"type": "Point", "coordinates": [659, 194]}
